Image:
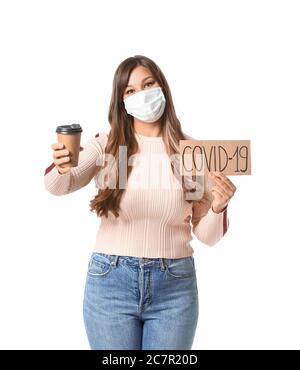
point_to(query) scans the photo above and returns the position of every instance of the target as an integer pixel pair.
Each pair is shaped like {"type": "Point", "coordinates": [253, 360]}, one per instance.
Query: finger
{"type": "Point", "coordinates": [62, 160]}
{"type": "Point", "coordinates": [219, 192]}
{"type": "Point", "coordinates": [56, 146]}
{"type": "Point", "coordinates": [226, 179]}
{"type": "Point", "coordinates": [81, 148]}
{"type": "Point", "coordinates": [221, 176]}
{"type": "Point", "coordinates": [62, 170]}
{"type": "Point", "coordinates": [224, 186]}
{"type": "Point", "coordinates": [60, 153]}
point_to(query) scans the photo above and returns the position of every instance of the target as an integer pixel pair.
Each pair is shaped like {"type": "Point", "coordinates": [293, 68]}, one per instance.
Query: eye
{"type": "Point", "coordinates": [151, 83]}
{"type": "Point", "coordinates": [147, 83]}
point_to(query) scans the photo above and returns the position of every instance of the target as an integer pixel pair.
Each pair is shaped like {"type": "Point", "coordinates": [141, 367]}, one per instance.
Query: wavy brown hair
{"type": "Point", "coordinates": [122, 130]}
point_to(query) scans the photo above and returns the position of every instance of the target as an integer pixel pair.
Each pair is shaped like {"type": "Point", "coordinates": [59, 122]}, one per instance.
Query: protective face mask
{"type": "Point", "coordinates": [146, 105]}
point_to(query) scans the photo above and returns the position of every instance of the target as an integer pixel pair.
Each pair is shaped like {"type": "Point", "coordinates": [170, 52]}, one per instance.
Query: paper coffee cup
{"type": "Point", "coordinates": [70, 136]}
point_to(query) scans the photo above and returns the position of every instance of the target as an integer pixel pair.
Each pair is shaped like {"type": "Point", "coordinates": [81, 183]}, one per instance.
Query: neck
{"type": "Point", "coordinates": [147, 128]}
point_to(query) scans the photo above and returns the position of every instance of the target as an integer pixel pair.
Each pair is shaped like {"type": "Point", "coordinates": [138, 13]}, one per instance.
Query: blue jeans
{"type": "Point", "coordinates": [140, 303]}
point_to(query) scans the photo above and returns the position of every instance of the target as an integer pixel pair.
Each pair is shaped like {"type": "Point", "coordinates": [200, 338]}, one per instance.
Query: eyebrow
{"type": "Point", "coordinates": [142, 80]}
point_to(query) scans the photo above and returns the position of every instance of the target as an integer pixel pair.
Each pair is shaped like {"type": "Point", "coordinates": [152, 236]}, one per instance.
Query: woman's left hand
{"type": "Point", "coordinates": [222, 191]}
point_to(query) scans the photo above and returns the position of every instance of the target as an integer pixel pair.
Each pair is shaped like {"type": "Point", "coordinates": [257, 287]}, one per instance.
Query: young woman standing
{"type": "Point", "coordinates": [141, 288]}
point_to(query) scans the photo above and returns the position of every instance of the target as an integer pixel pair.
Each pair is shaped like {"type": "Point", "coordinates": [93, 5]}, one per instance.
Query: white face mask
{"type": "Point", "coordinates": [146, 105]}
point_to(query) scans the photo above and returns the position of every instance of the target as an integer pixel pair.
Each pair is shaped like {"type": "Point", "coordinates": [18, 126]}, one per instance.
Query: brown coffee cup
{"type": "Point", "coordinates": [70, 136]}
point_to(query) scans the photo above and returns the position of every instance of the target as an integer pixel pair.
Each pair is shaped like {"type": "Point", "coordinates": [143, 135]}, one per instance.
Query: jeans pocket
{"type": "Point", "coordinates": [181, 267]}
{"type": "Point", "coordinates": [99, 266]}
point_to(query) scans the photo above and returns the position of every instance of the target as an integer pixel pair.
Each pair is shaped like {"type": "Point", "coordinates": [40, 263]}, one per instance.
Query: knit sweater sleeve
{"type": "Point", "coordinates": [209, 227]}
{"type": "Point", "coordinates": [90, 158]}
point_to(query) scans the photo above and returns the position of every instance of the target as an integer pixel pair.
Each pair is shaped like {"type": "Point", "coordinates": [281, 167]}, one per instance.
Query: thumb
{"type": "Point", "coordinates": [81, 148]}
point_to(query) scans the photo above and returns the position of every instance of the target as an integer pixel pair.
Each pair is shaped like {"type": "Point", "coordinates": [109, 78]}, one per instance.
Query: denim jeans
{"type": "Point", "coordinates": [140, 303]}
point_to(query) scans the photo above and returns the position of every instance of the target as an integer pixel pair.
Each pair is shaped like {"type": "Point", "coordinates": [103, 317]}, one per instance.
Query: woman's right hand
{"type": "Point", "coordinates": [60, 156]}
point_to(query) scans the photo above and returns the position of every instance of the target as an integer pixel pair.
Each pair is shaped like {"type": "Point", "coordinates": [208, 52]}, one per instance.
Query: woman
{"type": "Point", "coordinates": [141, 287]}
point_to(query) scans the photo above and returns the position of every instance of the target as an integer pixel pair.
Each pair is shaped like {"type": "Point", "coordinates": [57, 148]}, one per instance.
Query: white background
{"type": "Point", "coordinates": [233, 69]}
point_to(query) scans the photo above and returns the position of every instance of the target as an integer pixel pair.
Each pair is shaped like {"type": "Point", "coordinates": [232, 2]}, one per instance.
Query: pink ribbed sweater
{"type": "Point", "coordinates": [154, 219]}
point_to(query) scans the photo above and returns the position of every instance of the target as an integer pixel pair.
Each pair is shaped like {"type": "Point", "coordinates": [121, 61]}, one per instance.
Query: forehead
{"type": "Point", "coordinates": [138, 74]}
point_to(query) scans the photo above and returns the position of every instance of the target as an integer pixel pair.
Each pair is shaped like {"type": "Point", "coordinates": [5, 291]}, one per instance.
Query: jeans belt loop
{"type": "Point", "coordinates": [162, 265]}
{"type": "Point", "coordinates": [115, 261]}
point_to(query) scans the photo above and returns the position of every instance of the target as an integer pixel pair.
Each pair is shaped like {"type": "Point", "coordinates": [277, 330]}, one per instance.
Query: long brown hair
{"type": "Point", "coordinates": [122, 129]}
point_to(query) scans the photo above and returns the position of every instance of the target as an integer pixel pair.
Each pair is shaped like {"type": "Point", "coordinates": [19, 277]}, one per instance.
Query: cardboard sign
{"type": "Point", "coordinates": [231, 157]}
